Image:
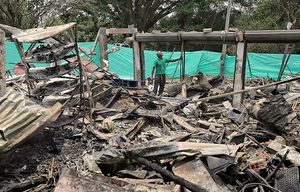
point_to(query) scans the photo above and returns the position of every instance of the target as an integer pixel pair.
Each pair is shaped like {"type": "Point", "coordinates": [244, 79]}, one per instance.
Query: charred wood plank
{"type": "Point", "coordinates": [167, 174]}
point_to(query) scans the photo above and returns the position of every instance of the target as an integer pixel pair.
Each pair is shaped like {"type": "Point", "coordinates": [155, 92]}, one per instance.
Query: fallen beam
{"type": "Point", "coordinates": [184, 124]}
{"type": "Point", "coordinates": [245, 90]}
{"type": "Point", "coordinates": [165, 173]}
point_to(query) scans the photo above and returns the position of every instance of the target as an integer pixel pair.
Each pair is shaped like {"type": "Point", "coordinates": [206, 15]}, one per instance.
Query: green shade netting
{"type": "Point", "coordinates": [121, 62]}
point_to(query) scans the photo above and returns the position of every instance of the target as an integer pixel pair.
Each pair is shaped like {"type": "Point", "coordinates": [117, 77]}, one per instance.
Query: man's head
{"type": "Point", "coordinates": [159, 54]}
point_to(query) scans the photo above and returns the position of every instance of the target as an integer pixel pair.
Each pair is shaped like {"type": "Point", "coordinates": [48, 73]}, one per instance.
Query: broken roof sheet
{"type": "Point", "coordinates": [36, 34]}
{"type": "Point", "coordinates": [20, 117]}
{"type": "Point", "coordinates": [9, 30]}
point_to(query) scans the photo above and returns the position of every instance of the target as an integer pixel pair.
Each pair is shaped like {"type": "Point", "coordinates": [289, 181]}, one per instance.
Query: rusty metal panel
{"type": "Point", "coordinates": [20, 117]}
{"type": "Point", "coordinates": [37, 34]}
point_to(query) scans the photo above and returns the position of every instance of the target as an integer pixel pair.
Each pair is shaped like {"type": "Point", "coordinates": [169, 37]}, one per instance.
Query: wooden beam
{"type": "Point", "coordinates": [273, 36]}
{"type": "Point", "coordinates": [214, 37]}
{"type": "Point", "coordinates": [95, 42]}
{"type": "Point", "coordinates": [159, 37]}
{"type": "Point", "coordinates": [103, 46]}
{"type": "Point", "coordinates": [220, 37]}
{"type": "Point", "coordinates": [189, 37]}
{"type": "Point", "coordinates": [2, 64]}
{"type": "Point", "coordinates": [239, 75]}
{"type": "Point", "coordinates": [129, 30]}
{"type": "Point", "coordinates": [117, 31]}
{"type": "Point", "coordinates": [244, 91]}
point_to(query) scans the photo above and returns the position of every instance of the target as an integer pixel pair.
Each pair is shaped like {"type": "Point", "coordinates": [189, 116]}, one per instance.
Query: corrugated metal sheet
{"type": "Point", "coordinates": [20, 117]}
{"type": "Point", "coordinates": [37, 34]}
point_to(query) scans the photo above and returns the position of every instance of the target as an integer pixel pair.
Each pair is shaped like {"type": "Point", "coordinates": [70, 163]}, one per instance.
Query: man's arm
{"type": "Point", "coordinates": [174, 60]}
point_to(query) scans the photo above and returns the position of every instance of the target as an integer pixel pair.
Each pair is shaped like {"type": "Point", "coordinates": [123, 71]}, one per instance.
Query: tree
{"type": "Point", "coordinates": [292, 10]}
{"type": "Point", "coordinates": [92, 14]}
{"type": "Point", "coordinates": [28, 13]}
{"type": "Point", "coordinates": [144, 14]}
{"type": "Point", "coordinates": [269, 15]}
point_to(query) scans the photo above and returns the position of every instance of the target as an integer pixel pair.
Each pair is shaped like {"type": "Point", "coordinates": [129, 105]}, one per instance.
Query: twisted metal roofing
{"type": "Point", "coordinates": [20, 117]}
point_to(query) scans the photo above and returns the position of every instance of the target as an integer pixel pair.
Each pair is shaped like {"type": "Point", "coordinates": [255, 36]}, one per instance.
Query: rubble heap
{"type": "Point", "coordinates": [132, 141]}
{"type": "Point", "coordinates": [72, 127]}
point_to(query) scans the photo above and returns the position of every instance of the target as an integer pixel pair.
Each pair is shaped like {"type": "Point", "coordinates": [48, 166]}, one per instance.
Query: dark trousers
{"type": "Point", "coordinates": [160, 80]}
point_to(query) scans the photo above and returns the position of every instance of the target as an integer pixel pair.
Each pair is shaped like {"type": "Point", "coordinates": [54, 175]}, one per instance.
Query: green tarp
{"type": "Point", "coordinates": [121, 62]}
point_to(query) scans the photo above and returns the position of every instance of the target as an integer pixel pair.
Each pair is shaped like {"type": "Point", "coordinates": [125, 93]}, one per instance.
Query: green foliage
{"type": "Point", "coordinates": [148, 15]}
{"type": "Point", "coordinates": [267, 15]}
{"type": "Point", "coordinates": [28, 13]}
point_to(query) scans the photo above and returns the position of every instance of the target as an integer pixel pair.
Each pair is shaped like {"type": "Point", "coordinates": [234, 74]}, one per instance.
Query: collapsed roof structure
{"type": "Point", "coordinates": [95, 132]}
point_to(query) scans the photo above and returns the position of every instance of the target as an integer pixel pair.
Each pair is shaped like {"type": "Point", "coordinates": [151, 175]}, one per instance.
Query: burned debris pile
{"type": "Point", "coordinates": [69, 128]}
{"type": "Point", "coordinates": [133, 141]}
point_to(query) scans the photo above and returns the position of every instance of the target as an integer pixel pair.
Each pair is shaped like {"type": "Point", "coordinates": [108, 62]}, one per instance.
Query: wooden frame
{"type": "Point", "coordinates": [240, 39]}
{"type": "Point", "coordinates": [102, 35]}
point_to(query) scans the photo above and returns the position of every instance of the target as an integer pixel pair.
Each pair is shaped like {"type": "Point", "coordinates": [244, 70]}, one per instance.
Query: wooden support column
{"type": "Point", "coordinates": [103, 46]}
{"type": "Point", "coordinates": [142, 63]}
{"type": "Point", "coordinates": [239, 74]}
{"type": "Point", "coordinates": [2, 64]}
{"type": "Point", "coordinates": [137, 61]}
{"type": "Point", "coordinates": [182, 75]}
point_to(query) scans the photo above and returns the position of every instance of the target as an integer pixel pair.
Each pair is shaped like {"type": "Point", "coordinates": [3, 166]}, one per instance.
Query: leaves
{"type": "Point", "coordinates": [146, 15]}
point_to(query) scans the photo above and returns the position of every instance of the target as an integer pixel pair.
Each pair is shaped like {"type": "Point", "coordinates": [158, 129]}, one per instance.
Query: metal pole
{"type": "Point", "coordinates": [224, 48]}
{"type": "Point", "coordinates": [2, 64]}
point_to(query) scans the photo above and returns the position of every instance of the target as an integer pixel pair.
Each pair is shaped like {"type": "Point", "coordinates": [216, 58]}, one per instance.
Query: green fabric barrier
{"type": "Point", "coordinates": [121, 62]}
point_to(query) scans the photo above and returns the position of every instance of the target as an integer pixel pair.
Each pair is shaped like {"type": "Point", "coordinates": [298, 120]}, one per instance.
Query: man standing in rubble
{"type": "Point", "coordinates": [159, 66]}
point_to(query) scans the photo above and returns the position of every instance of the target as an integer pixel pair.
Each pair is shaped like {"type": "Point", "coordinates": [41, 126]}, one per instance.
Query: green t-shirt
{"type": "Point", "coordinates": [160, 66]}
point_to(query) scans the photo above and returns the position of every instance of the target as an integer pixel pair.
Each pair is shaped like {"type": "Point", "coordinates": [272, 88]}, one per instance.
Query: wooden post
{"type": "Point", "coordinates": [2, 64]}
{"type": "Point", "coordinates": [138, 57]}
{"type": "Point", "coordinates": [184, 90]}
{"type": "Point", "coordinates": [103, 46]}
{"type": "Point", "coordinates": [182, 61]}
{"type": "Point", "coordinates": [239, 74]}
{"type": "Point", "coordinates": [142, 63]}
{"type": "Point", "coordinates": [224, 48]}
{"type": "Point", "coordinates": [137, 61]}
{"type": "Point", "coordinates": [182, 75]}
